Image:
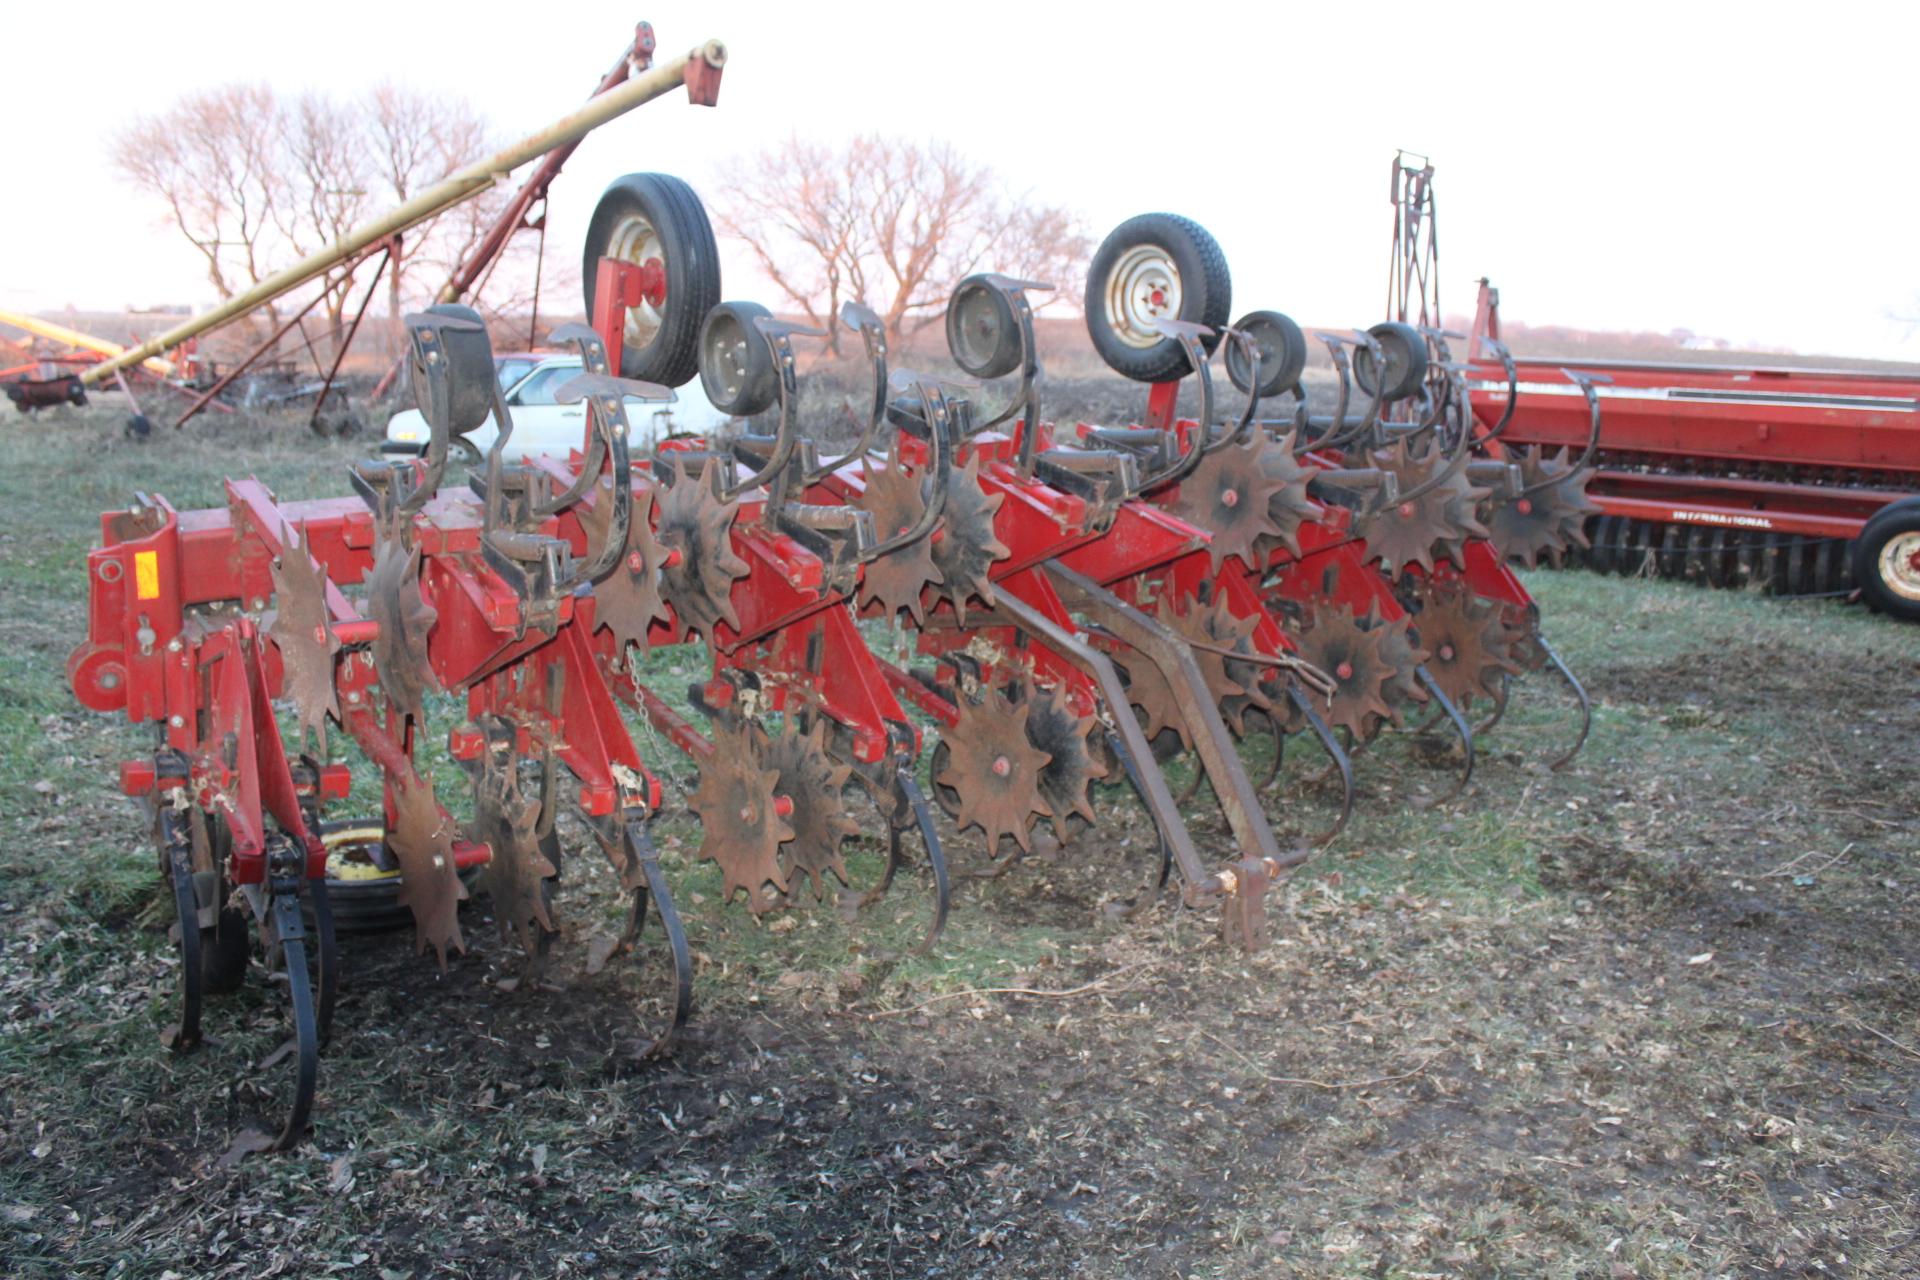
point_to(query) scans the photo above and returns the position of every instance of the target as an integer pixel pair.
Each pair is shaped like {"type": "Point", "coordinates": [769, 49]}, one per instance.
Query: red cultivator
{"type": "Point", "coordinates": [1093, 603]}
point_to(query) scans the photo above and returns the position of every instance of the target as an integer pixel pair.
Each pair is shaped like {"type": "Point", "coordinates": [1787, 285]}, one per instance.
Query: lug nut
{"type": "Point", "coordinates": [1344, 671]}
{"type": "Point", "coordinates": [1231, 498]}
{"type": "Point", "coordinates": [1002, 766]}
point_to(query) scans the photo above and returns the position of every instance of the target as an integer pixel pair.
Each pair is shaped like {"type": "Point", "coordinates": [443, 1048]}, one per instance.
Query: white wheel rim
{"type": "Point", "coordinates": [1143, 286]}
{"type": "Point", "coordinates": [634, 240]}
{"type": "Point", "coordinates": [1900, 565]}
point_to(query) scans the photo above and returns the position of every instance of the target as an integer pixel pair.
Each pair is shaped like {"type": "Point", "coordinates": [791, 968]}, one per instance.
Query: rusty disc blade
{"type": "Point", "coordinates": [404, 617]}
{"type": "Point", "coordinates": [422, 842]}
{"type": "Point", "coordinates": [1072, 766]}
{"type": "Point", "coordinates": [740, 823]}
{"type": "Point", "coordinates": [507, 819]}
{"type": "Point", "coordinates": [813, 781]}
{"type": "Point", "coordinates": [1334, 641]}
{"type": "Point", "coordinates": [303, 631]}
{"type": "Point", "coordinates": [898, 579]}
{"type": "Point", "coordinates": [1465, 641]}
{"type": "Point", "coordinates": [966, 549]}
{"type": "Point", "coordinates": [1229, 495]}
{"type": "Point", "coordinates": [695, 529]}
{"type": "Point", "coordinates": [994, 770]}
{"type": "Point", "coordinates": [627, 601]}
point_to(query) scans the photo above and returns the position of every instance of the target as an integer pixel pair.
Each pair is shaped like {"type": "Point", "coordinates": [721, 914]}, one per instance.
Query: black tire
{"type": "Point", "coordinates": [736, 364]}
{"type": "Point", "coordinates": [1282, 348]}
{"type": "Point", "coordinates": [1406, 355]}
{"type": "Point", "coordinates": [1198, 268]}
{"type": "Point", "coordinates": [370, 904]}
{"type": "Point", "coordinates": [663, 345]}
{"type": "Point", "coordinates": [1886, 587]}
{"type": "Point", "coordinates": [1604, 533]}
{"type": "Point", "coordinates": [983, 333]}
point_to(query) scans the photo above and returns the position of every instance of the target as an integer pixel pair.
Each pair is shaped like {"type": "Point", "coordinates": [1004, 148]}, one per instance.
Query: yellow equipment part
{"type": "Point", "coordinates": [74, 338]}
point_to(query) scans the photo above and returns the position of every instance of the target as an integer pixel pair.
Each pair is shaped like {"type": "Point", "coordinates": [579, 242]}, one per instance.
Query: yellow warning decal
{"type": "Point", "coordinates": [146, 575]}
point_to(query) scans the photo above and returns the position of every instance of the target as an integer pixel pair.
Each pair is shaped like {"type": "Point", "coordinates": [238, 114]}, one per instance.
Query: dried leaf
{"type": "Point", "coordinates": [245, 1143]}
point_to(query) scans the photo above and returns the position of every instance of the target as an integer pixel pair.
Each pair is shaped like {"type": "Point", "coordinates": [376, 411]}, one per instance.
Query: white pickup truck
{"type": "Point", "coordinates": [542, 425]}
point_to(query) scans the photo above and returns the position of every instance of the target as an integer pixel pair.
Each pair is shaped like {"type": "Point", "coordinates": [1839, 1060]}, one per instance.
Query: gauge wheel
{"type": "Point", "coordinates": [736, 364]}
{"type": "Point", "coordinates": [1152, 267]}
{"type": "Point", "coordinates": [1405, 352]}
{"type": "Point", "coordinates": [363, 877]}
{"type": "Point", "coordinates": [648, 217]}
{"type": "Point", "coordinates": [983, 333]}
{"type": "Point", "coordinates": [1282, 349]}
{"type": "Point", "coordinates": [1886, 560]}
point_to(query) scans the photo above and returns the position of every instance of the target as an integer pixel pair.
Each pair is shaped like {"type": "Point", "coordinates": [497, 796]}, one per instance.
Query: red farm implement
{"type": "Point", "coordinates": [1797, 481]}
{"type": "Point", "coordinates": [1091, 601]}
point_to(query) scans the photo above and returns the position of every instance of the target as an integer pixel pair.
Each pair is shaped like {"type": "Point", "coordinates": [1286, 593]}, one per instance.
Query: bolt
{"type": "Point", "coordinates": [1231, 498]}
{"type": "Point", "coordinates": [109, 680]}
{"type": "Point", "coordinates": [178, 722]}
{"type": "Point", "coordinates": [1524, 506]}
{"type": "Point", "coordinates": [320, 634]}
{"type": "Point", "coordinates": [1344, 671]}
{"type": "Point", "coordinates": [1002, 766]}
{"type": "Point", "coordinates": [634, 563]}
{"type": "Point", "coordinates": [746, 813]}
{"type": "Point", "coordinates": [174, 645]}
{"type": "Point", "coordinates": [1406, 511]}
{"type": "Point", "coordinates": [259, 602]}
{"type": "Point", "coordinates": [353, 696]}
{"type": "Point", "coordinates": [1446, 653]}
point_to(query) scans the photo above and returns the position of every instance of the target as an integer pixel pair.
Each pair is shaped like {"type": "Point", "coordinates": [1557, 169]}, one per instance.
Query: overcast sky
{"type": "Point", "coordinates": [1737, 170]}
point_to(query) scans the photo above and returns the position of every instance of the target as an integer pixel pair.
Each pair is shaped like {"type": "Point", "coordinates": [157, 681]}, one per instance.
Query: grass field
{"type": "Point", "coordinates": [1655, 1015]}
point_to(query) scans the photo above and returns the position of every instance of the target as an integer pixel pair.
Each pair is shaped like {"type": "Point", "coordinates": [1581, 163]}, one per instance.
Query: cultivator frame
{"type": "Point", "coordinates": [1091, 601]}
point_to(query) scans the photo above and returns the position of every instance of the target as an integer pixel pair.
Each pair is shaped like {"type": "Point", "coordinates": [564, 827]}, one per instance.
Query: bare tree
{"type": "Point", "coordinates": [893, 223]}
{"type": "Point", "coordinates": [213, 159]}
{"type": "Point", "coordinates": [416, 139]}
{"type": "Point", "coordinates": [254, 184]}
{"type": "Point", "coordinates": [328, 179]}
